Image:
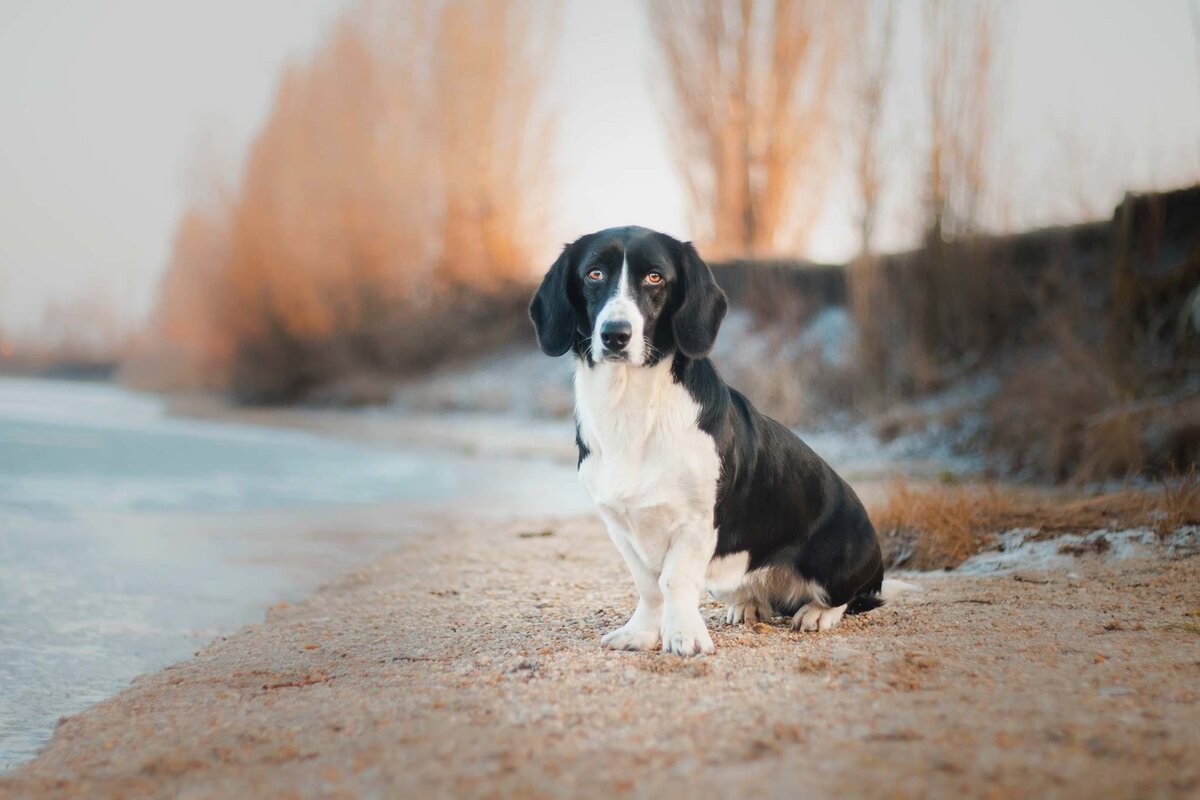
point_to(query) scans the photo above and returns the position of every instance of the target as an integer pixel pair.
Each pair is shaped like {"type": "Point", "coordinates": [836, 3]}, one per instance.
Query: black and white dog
{"type": "Point", "coordinates": [697, 488]}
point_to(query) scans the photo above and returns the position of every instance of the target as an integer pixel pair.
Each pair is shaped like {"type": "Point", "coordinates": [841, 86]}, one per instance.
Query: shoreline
{"type": "Point", "coordinates": [462, 433]}
{"type": "Point", "coordinates": [258, 556]}
{"type": "Point", "coordinates": [467, 663]}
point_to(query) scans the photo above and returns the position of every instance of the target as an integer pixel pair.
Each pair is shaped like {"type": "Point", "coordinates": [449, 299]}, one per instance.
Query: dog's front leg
{"type": "Point", "coordinates": [682, 580]}
{"type": "Point", "coordinates": [642, 630]}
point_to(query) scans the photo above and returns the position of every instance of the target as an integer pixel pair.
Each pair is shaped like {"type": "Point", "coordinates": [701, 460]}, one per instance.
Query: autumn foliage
{"type": "Point", "coordinates": [392, 191]}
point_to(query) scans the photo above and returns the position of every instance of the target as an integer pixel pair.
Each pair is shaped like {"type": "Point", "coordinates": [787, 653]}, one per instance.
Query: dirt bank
{"type": "Point", "coordinates": [468, 664]}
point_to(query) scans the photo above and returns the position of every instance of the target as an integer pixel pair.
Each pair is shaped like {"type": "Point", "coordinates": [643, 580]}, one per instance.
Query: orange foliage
{"type": "Point", "coordinates": [185, 319]}
{"type": "Point", "coordinates": [395, 166]}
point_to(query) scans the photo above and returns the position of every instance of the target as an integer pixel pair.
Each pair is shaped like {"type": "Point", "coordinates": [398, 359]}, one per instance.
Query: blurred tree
{"type": "Point", "coordinates": [493, 138]}
{"type": "Point", "coordinates": [753, 86]}
{"type": "Point", "coordinates": [962, 88]}
{"type": "Point", "coordinates": [194, 346]}
{"type": "Point", "coordinates": [875, 26]}
{"type": "Point", "coordinates": [399, 163]}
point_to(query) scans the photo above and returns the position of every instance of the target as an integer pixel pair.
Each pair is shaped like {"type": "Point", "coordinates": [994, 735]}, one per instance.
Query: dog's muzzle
{"type": "Point", "coordinates": [615, 336]}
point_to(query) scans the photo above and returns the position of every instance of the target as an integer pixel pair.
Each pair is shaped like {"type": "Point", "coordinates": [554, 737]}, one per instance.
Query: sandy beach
{"type": "Point", "coordinates": [303, 348]}
{"type": "Point", "coordinates": [468, 664]}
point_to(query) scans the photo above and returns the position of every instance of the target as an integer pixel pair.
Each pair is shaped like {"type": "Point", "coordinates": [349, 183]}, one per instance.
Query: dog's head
{"type": "Point", "coordinates": [629, 295]}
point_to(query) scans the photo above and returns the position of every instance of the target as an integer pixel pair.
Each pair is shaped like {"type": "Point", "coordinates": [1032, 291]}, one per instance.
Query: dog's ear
{"type": "Point", "coordinates": [552, 312]}
{"type": "Point", "coordinates": [699, 315]}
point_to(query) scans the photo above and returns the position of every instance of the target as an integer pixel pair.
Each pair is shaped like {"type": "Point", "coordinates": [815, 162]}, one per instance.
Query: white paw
{"type": "Point", "coordinates": [748, 612]}
{"type": "Point", "coordinates": [629, 637]}
{"type": "Point", "coordinates": [813, 617]}
{"type": "Point", "coordinates": [687, 639]}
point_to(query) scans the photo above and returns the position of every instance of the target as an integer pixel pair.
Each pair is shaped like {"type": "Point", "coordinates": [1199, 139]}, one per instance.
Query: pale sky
{"type": "Point", "coordinates": [108, 106]}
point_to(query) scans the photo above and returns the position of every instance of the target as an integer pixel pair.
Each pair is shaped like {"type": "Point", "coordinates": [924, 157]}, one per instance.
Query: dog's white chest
{"type": "Point", "coordinates": [650, 468]}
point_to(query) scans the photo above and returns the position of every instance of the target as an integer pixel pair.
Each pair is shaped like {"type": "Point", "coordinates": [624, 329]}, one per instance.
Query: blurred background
{"type": "Point", "coordinates": [286, 204]}
{"type": "Point", "coordinates": [264, 270]}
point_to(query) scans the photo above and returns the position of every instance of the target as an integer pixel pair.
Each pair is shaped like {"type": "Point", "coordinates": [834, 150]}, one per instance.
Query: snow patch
{"type": "Point", "coordinates": [1019, 550]}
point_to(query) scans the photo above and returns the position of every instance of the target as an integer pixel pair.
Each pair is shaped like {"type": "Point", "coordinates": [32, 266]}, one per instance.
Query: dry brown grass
{"type": "Point", "coordinates": [935, 527]}
{"type": "Point", "coordinates": [1065, 417]}
{"type": "Point", "coordinates": [1179, 501]}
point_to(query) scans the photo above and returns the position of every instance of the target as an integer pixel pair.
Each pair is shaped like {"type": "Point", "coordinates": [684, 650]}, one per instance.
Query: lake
{"type": "Point", "coordinates": [129, 538]}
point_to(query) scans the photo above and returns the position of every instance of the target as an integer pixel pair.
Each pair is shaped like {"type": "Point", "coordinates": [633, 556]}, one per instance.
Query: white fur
{"type": "Point", "coordinates": [653, 475]}
{"type": "Point", "coordinates": [727, 580]}
{"type": "Point", "coordinates": [817, 617]}
{"type": "Point", "coordinates": [761, 588]}
{"type": "Point", "coordinates": [893, 588]}
{"type": "Point", "coordinates": [725, 573]}
{"type": "Point", "coordinates": [622, 307]}
{"type": "Point", "coordinates": [749, 612]}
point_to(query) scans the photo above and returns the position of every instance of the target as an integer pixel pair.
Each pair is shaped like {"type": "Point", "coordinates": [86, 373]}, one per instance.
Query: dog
{"type": "Point", "coordinates": [698, 490]}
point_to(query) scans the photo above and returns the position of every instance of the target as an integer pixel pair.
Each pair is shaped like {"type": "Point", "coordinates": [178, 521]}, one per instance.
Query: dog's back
{"type": "Point", "coordinates": [779, 502]}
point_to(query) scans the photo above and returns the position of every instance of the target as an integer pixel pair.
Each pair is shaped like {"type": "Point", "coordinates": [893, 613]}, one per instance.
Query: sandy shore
{"type": "Point", "coordinates": [467, 664]}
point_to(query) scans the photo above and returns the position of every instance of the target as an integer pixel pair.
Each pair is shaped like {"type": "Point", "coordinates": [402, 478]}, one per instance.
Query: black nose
{"type": "Point", "coordinates": [615, 335]}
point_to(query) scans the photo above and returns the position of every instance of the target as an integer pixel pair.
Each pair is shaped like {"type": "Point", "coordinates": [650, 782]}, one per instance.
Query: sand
{"type": "Point", "coordinates": [468, 664]}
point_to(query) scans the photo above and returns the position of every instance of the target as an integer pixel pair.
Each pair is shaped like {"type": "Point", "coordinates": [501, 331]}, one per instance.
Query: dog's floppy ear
{"type": "Point", "coordinates": [703, 307]}
{"type": "Point", "coordinates": [552, 313]}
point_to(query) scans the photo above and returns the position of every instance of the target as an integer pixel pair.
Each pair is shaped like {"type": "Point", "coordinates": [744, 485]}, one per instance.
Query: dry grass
{"type": "Point", "coordinates": [1179, 501]}
{"type": "Point", "coordinates": [1039, 417]}
{"type": "Point", "coordinates": [935, 527]}
{"type": "Point", "coordinates": [1063, 417]}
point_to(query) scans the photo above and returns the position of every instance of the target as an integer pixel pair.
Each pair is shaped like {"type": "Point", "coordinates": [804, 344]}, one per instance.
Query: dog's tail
{"type": "Point", "coordinates": [893, 588]}
{"type": "Point", "coordinates": [888, 591]}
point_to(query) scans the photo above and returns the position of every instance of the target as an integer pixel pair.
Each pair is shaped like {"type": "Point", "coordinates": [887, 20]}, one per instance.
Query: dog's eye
{"type": "Point", "coordinates": [653, 279]}
{"type": "Point", "coordinates": [596, 275]}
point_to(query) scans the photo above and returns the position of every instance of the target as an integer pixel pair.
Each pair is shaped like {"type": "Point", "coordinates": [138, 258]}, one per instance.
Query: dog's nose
{"type": "Point", "coordinates": [615, 335]}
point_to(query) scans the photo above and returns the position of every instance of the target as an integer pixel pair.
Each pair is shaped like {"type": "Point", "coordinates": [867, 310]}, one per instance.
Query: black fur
{"type": "Point", "coordinates": [553, 319]}
{"type": "Point", "coordinates": [777, 500]}
{"type": "Point", "coordinates": [584, 452]}
{"type": "Point", "coordinates": [696, 322]}
{"type": "Point", "coordinates": [688, 307]}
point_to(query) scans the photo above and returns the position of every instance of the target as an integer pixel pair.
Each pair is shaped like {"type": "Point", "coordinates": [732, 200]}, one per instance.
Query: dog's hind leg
{"type": "Point", "coordinates": [815, 616]}
{"type": "Point", "coordinates": [748, 610]}
{"type": "Point", "coordinates": [745, 600]}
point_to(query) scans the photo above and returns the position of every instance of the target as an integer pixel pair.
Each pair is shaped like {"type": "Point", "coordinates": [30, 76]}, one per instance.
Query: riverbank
{"type": "Point", "coordinates": [468, 664]}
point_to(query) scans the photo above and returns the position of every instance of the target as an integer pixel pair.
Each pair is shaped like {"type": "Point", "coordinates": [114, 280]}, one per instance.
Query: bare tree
{"type": "Point", "coordinates": [962, 85]}
{"type": "Point", "coordinates": [875, 24]}
{"type": "Point", "coordinates": [752, 88]}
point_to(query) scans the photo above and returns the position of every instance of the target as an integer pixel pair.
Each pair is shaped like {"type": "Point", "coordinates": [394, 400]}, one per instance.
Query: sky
{"type": "Point", "coordinates": [111, 109]}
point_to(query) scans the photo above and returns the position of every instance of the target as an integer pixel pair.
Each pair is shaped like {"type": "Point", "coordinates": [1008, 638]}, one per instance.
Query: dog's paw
{"type": "Point", "coordinates": [631, 638]}
{"type": "Point", "coordinates": [687, 639]}
{"type": "Point", "coordinates": [813, 617]}
{"type": "Point", "coordinates": [748, 612]}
